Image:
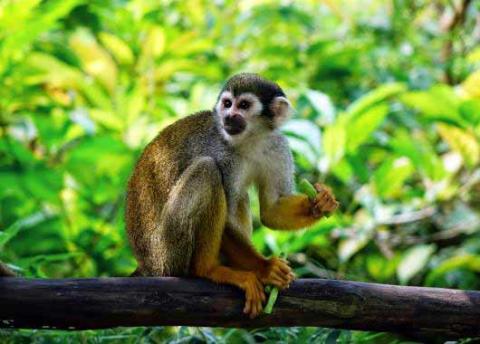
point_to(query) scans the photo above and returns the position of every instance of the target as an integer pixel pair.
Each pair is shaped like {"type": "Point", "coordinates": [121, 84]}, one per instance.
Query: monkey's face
{"type": "Point", "coordinates": [249, 104]}
{"type": "Point", "coordinates": [237, 114]}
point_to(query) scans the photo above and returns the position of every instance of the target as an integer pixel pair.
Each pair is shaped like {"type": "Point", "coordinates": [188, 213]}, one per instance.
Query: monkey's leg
{"type": "Point", "coordinates": [198, 202]}
{"type": "Point", "coordinates": [241, 254]}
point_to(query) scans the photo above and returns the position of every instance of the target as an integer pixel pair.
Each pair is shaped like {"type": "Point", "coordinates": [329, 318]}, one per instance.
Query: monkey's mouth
{"type": "Point", "coordinates": [233, 130]}
{"type": "Point", "coordinates": [234, 125]}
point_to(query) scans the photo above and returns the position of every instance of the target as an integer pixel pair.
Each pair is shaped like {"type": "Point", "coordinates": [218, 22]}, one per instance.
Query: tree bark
{"type": "Point", "coordinates": [110, 302]}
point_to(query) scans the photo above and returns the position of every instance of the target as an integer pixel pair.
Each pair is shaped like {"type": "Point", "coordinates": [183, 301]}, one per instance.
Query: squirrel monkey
{"type": "Point", "coordinates": [187, 200]}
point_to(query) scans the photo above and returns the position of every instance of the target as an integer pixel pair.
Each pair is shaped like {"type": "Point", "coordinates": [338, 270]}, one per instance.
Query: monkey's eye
{"type": "Point", "coordinates": [227, 103]}
{"type": "Point", "coordinates": [244, 105]}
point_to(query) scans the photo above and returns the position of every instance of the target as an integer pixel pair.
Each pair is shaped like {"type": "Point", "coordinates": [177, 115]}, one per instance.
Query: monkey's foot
{"type": "Point", "coordinates": [277, 273]}
{"type": "Point", "coordinates": [254, 295]}
{"type": "Point", "coordinates": [324, 202]}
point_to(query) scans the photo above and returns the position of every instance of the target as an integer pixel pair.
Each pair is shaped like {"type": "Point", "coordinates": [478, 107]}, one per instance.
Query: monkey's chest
{"type": "Point", "coordinates": [236, 183]}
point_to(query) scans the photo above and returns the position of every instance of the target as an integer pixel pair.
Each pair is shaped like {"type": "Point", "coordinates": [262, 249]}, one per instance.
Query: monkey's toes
{"type": "Point", "coordinates": [278, 273]}
{"type": "Point", "coordinates": [254, 296]}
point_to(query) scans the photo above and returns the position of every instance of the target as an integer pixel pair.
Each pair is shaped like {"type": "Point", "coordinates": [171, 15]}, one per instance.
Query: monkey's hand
{"type": "Point", "coordinates": [254, 294]}
{"type": "Point", "coordinates": [277, 273]}
{"type": "Point", "coordinates": [324, 202]}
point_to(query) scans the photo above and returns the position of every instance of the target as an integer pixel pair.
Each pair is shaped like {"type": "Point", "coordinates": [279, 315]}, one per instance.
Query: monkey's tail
{"type": "Point", "coordinates": [5, 271]}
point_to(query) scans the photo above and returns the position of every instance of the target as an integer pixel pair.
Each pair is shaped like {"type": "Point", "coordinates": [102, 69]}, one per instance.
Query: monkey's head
{"type": "Point", "coordinates": [249, 104]}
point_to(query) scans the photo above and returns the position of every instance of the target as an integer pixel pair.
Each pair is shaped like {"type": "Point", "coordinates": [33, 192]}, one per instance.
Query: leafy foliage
{"type": "Point", "coordinates": [388, 114]}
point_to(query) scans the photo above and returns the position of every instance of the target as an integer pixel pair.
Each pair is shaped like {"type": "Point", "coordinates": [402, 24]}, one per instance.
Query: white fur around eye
{"type": "Point", "coordinates": [223, 96]}
{"type": "Point", "coordinates": [256, 106]}
{"type": "Point", "coordinates": [281, 109]}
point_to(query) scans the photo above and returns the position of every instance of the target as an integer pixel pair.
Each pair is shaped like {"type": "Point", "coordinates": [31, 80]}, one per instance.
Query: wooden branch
{"type": "Point", "coordinates": [110, 302]}
{"type": "Point", "coordinates": [448, 25]}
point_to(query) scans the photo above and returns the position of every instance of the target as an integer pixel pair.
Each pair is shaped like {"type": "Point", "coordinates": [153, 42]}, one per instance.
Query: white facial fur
{"type": "Point", "coordinates": [229, 105]}
{"type": "Point", "coordinates": [255, 107]}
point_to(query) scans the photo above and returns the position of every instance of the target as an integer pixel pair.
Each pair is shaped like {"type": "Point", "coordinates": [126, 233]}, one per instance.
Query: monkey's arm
{"type": "Point", "coordinates": [287, 212]}
{"type": "Point", "coordinates": [296, 211]}
{"type": "Point", "coordinates": [280, 208]}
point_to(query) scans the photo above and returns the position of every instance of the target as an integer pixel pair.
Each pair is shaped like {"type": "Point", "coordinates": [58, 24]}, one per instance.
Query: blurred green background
{"type": "Point", "coordinates": [387, 99]}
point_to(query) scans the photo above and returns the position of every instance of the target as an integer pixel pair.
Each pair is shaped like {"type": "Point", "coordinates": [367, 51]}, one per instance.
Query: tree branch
{"type": "Point", "coordinates": [448, 25]}
{"type": "Point", "coordinates": [110, 302]}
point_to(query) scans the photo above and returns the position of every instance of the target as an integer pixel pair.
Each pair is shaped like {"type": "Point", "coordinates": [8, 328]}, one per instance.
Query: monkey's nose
{"type": "Point", "coordinates": [234, 124]}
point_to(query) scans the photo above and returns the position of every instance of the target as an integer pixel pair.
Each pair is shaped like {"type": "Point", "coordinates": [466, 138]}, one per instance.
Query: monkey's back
{"type": "Point", "coordinates": [159, 167]}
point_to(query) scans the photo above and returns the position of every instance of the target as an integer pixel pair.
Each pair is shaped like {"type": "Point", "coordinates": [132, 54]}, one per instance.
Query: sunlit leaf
{"type": "Point", "coordinates": [361, 126]}
{"type": "Point", "coordinates": [153, 46]}
{"type": "Point", "coordinates": [413, 261]}
{"type": "Point", "coordinates": [52, 71]}
{"type": "Point", "coordinates": [438, 103]}
{"type": "Point", "coordinates": [357, 239]}
{"type": "Point", "coordinates": [304, 130]}
{"type": "Point", "coordinates": [374, 98]}
{"type": "Point", "coordinates": [462, 141]}
{"type": "Point", "coordinates": [472, 85]}
{"type": "Point", "coordinates": [420, 152]}
{"type": "Point", "coordinates": [117, 47]}
{"type": "Point", "coordinates": [322, 104]}
{"type": "Point", "coordinates": [391, 175]}
{"type": "Point", "coordinates": [95, 60]}
{"type": "Point", "coordinates": [334, 143]}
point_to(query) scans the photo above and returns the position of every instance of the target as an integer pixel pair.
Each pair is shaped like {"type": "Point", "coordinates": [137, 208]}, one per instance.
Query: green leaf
{"type": "Point", "coordinates": [413, 261]}
{"type": "Point", "coordinates": [354, 243]}
{"type": "Point", "coordinates": [360, 127]}
{"type": "Point", "coordinates": [334, 144]}
{"type": "Point", "coordinates": [94, 58]}
{"type": "Point", "coordinates": [304, 138]}
{"type": "Point", "coordinates": [390, 176]}
{"type": "Point", "coordinates": [153, 46]}
{"type": "Point", "coordinates": [420, 151]}
{"type": "Point", "coordinates": [471, 85]}
{"type": "Point", "coordinates": [30, 221]}
{"type": "Point", "coordinates": [117, 47]}
{"type": "Point", "coordinates": [305, 130]}
{"type": "Point", "coordinates": [381, 268]}
{"type": "Point", "coordinates": [322, 104]}
{"type": "Point", "coordinates": [374, 97]}
{"type": "Point", "coordinates": [438, 103]}
{"type": "Point", "coordinates": [468, 261]}
{"type": "Point", "coordinates": [470, 111]}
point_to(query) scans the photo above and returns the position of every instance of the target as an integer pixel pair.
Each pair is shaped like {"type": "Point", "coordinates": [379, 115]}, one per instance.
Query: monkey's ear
{"type": "Point", "coordinates": [281, 109]}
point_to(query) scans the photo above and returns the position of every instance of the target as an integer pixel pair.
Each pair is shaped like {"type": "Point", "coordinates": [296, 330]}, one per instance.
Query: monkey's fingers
{"type": "Point", "coordinates": [254, 296]}
{"type": "Point", "coordinates": [277, 273]}
{"type": "Point", "coordinates": [279, 283]}
{"type": "Point", "coordinates": [250, 304]}
{"type": "Point", "coordinates": [325, 201]}
{"type": "Point", "coordinates": [320, 187]}
{"type": "Point", "coordinates": [283, 265]}
{"type": "Point", "coordinates": [261, 291]}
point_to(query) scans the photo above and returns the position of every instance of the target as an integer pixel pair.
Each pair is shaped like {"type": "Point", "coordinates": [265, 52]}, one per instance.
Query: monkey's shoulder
{"type": "Point", "coordinates": [195, 124]}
